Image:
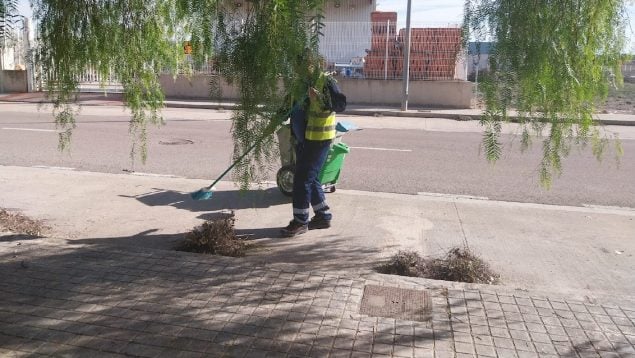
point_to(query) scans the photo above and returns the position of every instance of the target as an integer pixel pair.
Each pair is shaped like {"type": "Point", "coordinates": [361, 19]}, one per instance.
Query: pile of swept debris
{"type": "Point", "coordinates": [216, 237]}
{"type": "Point", "coordinates": [20, 224]}
{"type": "Point", "coordinates": [459, 264]}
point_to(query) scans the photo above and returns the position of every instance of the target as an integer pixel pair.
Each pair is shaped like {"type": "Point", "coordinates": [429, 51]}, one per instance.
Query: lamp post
{"type": "Point", "coordinates": [406, 61]}
{"type": "Point", "coordinates": [1, 66]}
{"type": "Point", "coordinates": [2, 43]}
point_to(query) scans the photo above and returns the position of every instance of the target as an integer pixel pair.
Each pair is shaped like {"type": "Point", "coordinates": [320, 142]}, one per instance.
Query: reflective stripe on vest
{"type": "Point", "coordinates": [321, 123]}
{"type": "Point", "coordinates": [320, 129]}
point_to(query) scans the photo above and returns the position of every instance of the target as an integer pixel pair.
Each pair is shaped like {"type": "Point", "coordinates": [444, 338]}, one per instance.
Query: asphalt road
{"type": "Point", "coordinates": [386, 156]}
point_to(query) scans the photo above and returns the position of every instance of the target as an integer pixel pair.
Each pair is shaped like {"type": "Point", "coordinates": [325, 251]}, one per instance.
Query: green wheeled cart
{"type": "Point", "coordinates": [329, 174]}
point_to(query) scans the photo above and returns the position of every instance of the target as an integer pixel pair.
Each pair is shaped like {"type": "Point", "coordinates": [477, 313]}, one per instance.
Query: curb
{"type": "Point", "coordinates": [351, 112]}
{"type": "Point", "coordinates": [465, 117]}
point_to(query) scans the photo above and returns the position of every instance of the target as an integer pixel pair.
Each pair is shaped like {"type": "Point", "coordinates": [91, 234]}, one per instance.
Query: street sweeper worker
{"type": "Point", "coordinates": [313, 126]}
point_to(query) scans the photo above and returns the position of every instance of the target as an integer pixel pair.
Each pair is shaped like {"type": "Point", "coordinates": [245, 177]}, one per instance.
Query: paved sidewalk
{"type": "Point", "coordinates": [60, 299]}
{"type": "Point", "coordinates": [574, 251]}
{"type": "Point", "coordinates": [97, 99]}
{"type": "Point", "coordinates": [108, 284]}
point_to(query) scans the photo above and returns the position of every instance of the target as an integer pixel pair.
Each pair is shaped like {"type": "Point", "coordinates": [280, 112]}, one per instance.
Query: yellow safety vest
{"type": "Point", "coordinates": [321, 122]}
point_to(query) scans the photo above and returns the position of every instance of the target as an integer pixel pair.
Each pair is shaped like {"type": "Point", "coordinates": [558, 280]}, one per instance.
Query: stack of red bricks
{"type": "Point", "coordinates": [380, 60]}
{"type": "Point", "coordinates": [433, 52]}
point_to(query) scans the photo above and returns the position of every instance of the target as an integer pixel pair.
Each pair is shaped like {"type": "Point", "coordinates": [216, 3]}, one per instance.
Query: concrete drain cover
{"type": "Point", "coordinates": [394, 302]}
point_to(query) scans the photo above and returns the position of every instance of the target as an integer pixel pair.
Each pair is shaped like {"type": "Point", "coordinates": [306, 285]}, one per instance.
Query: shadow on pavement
{"type": "Point", "coordinates": [17, 237]}
{"type": "Point", "coordinates": [140, 240]}
{"type": "Point", "coordinates": [221, 200]}
{"type": "Point", "coordinates": [94, 300]}
{"type": "Point", "coordinates": [301, 253]}
{"type": "Point", "coordinates": [309, 254]}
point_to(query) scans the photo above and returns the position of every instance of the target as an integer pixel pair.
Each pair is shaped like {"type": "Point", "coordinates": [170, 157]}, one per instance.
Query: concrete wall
{"type": "Point", "coordinates": [195, 87]}
{"type": "Point", "coordinates": [13, 81]}
{"type": "Point", "coordinates": [448, 94]}
{"type": "Point", "coordinates": [444, 94]}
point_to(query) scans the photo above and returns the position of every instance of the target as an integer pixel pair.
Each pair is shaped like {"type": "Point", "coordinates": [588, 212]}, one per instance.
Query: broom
{"type": "Point", "coordinates": [206, 192]}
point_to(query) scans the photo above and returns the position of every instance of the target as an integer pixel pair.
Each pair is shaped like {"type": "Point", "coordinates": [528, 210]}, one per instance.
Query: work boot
{"type": "Point", "coordinates": [294, 228]}
{"type": "Point", "coordinates": [319, 222]}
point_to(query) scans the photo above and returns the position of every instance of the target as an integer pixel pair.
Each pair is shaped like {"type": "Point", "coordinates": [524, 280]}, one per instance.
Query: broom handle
{"type": "Point", "coordinates": [249, 150]}
{"type": "Point", "coordinates": [236, 162]}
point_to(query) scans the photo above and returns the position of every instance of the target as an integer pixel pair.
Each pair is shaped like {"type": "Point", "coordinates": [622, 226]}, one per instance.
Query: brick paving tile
{"type": "Point", "coordinates": [462, 337]}
{"type": "Point", "coordinates": [464, 347]}
{"type": "Point", "coordinates": [485, 350]}
{"type": "Point", "coordinates": [500, 332]}
{"type": "Point", "coordinates": [506, 353]}
{"type": "Point", "coordinates": [317, 351]}
{"type": "Point", "coordinates": [519, 335]}
{"type": "Point", "coordinates": [503, 343]}
{"type": "Point", "coordinates": [423, 352]}
{"type": "Point", "coordinates": [604, 354]}
{"type": "Point", "coordinates": [363, 343]}
{"type": "Point", "coordinates": [443, 354]}
{"type": "Point", "coordinates": [172, 352]}
{"type": "Point", "coordinates": [525, 354]}
{"type": "Point", "coordinates": [300, 349]}
{"type": "Point", "coordinates": [482, 330]}
{"type": "Point", "coordinates": [401, 351]}
{"type": "Point", "coordinates": [381, 348]}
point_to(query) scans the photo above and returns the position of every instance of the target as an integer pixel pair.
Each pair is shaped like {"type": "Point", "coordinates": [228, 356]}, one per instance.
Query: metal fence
{"type": "Point", "coordinates": [92, 80]}
{"type": "Point", "coordinates": [14, 47]}
{"type": "Point", "coordinates": [361, 50]}
{"type": "Point", "coordinates": [375, 50]}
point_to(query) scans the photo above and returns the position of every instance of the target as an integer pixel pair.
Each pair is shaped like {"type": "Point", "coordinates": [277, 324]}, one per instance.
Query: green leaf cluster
{"type": "Point", "coordinates": [267, 57]}
{"type": "Point", "coordinates": [552, 63]}
{"type": "Point", "coordinates": [130, 40]}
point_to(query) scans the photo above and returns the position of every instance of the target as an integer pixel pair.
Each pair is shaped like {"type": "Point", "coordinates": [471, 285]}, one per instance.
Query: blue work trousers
{"type": "Point", "coordinates": [310, 157]}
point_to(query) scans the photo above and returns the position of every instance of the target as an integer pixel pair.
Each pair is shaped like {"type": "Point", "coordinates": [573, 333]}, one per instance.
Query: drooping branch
{"type": "Point", "coordinates": [257, 47]}
{"type": "Point", "coordinates": [553, 63]}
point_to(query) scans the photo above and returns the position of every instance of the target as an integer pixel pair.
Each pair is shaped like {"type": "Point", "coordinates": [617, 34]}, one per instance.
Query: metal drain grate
{"type": "Point", "coordinates": [394, 302]}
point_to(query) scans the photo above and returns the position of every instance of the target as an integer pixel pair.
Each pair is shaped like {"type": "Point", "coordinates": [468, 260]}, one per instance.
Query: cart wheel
{"type": "Point", "coordinates": [284, 179]}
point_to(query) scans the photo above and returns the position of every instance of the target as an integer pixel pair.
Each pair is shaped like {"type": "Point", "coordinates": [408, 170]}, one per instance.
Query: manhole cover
{"type": "Point", "coordinates": [394, 302]}
{"type": "Point", "coordinates": [176, 141]}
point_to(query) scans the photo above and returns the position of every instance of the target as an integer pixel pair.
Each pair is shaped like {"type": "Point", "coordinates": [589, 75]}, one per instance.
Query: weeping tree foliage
{"type": "Point", "coordinates": [268, 58]}
{"type": "Point", "coordinates": [553, 63]}
{"type": "Point", "coordinates": [132, 40]}
{"type": "Point", "coordinates": [259, 47]}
